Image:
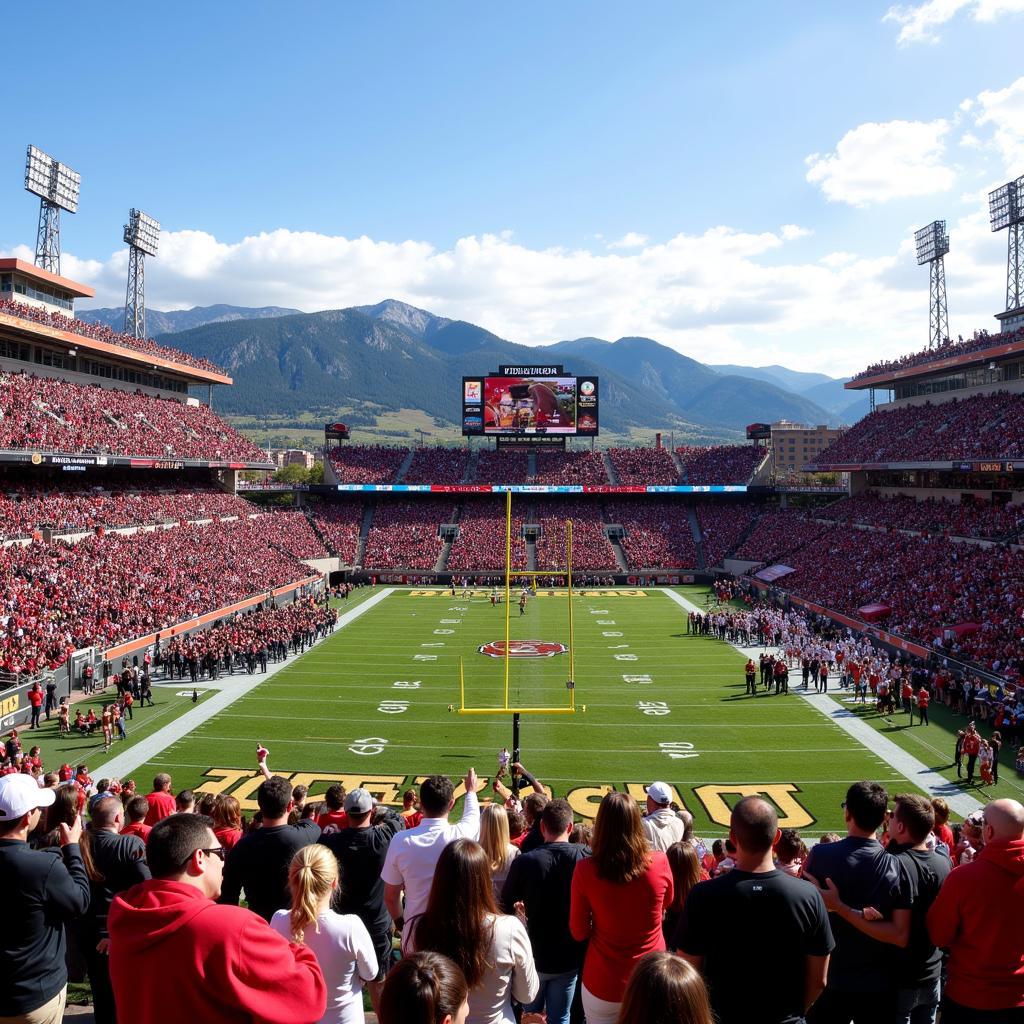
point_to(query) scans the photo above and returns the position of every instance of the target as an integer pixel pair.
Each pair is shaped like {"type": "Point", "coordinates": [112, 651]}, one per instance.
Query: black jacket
{"type": "Point", "coordinates": [43, 890]}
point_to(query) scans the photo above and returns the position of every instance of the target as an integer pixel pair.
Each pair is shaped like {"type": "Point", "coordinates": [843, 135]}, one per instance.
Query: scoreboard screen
{"type": "Point", "coordinates": [530, 400]}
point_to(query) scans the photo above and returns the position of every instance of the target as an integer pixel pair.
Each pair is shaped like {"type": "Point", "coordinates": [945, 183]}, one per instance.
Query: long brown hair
{"type": "Point", "coordinates": [422, 988]}
{"type": "Point", "coordinates": [456, 921]}
{"type": "Point", "coordinates": [665, 989]}
{"type": "Point", "coordinates": [227, 812]}
{"type": "Point", "coordinates": [685, 865]}
{"type": "Point", "coordinates": [620, 849]}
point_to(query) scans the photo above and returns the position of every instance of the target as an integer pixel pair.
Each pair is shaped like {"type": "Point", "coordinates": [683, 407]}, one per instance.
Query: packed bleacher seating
{"type": "Point", "coordinates": [292, 533]}
{"type": "Point", "coordinates": [979, 427]}
{"type": "Point", "coordinates": [404, 535]}
{"type": "Point", "coordinates": [100, 332]}
{"type": "Point", "coordinates": [501, 467]}
{"type": "Point", "coordinates": [23, 511]}
{"type": "Point", "coordinates": [437, 466]}
{"type": "Point", "coordinates": [980, 519]}
{"type": "Point", "coordinates": [46, 414]}
{"type": "Point", "coordinates": [570, 467]}
{"type": "Point", "coordinates": [60, 597]}
{"type": "Point", "coordinates": [980, 340]}
{"type": "Point", "coordinates": [340, 523]}
{"type": "Point", "coordinates": [644, 465]}
{"type": "Point", "coordinates": [776, 533]}
{"type": "Point", "coordinates": [720, 464]}
{"type": "Point", "coordinates": [481, 541]}
{"type": "Point", "coordinates": [722, 524]}
{"type": "Point", "coordinates": [367, 463]}
{"type": "Point", "coordinates": [658, 533]}
{"type": "Point", "coordinates": [590, 547]}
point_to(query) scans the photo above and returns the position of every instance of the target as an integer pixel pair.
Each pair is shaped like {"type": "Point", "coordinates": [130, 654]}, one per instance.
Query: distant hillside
{"type": "Point", "coordinates": [391, 356]}
{"type": "Point", "coordinates": [158, 322]}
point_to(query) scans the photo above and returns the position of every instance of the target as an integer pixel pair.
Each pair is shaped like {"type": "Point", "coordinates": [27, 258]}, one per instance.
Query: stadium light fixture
{"type": "Point", "coordinates": [142, 232]}
{"type": "Point", "coordinates": [1006, 211]}
{"type": "Point", "coordinates": [932, 244]}
{"type": "Point", "coordinates": [58, 188]}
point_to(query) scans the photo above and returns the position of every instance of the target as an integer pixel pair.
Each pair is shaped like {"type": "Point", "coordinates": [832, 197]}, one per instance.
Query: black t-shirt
{"type": "Point", "coordinates": [866, 876]}
{"type": "Point", "coordinates": [753, 931]}
{"type": "Point", "coordinates": [259, 862]}
{"type": "Point", "coordinates": [361, 853]}
{"type": "Point", "coordinates": [542, 880]}
{"type": "Point", "coordinates": [926, 870]}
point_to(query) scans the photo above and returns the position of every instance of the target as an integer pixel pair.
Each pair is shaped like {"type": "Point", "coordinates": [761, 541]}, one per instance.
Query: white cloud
{"type": "Point", "coordinates": [630, 240]}
{"type": "Point", "coordinates": [918, 24]}
{"type": "Point", "coordinates": [874, 163]}
{"type": "Point", "coordinates": [1003, 111]}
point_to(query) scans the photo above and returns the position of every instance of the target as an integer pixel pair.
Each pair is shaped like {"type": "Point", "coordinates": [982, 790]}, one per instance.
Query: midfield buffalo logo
{"type": "Point", "coordinates": [523, 649]}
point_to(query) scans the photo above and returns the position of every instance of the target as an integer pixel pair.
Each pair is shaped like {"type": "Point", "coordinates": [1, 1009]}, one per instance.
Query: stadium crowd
{"type": "Point", "coordinates": [57, 598]}
{"type": "Point", "coordinates": [590, 547]}
{"type": "Point", "coordinates": [339, 522]}
{"type": "Point", "coordinates": [644, 465]}
{"type": "Point", "coordinates": [404, 534]}
{"type": "Point", "coordinates": [722, 524]}
{"type": "Point", "coordinates": [720, 464]}
{"type": "Point", "coordinates": [480, 544]}
{"type": "Point", "coordinates": [570, 467]}
{"type": "Point", "coordinates": [438, 466]}
{"type": "Point", "coordinates": [367, 463]}
{"type": "Point", "coordinates": [947, 349]}
{"type": "Point", "coordinates": [658, 533]}
{"type": "Point", "coordinates": [100, 332]}
{"type": "Point", "coordinates": [45, 414]}
{"type": "Point", "coordinates": [501, 467]}
{"type": "Point", "coordinates": [511, 911]}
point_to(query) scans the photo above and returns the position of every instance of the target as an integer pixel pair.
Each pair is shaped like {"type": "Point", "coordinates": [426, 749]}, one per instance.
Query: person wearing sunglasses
{"type": "Point", "coordinates": [176, 954]}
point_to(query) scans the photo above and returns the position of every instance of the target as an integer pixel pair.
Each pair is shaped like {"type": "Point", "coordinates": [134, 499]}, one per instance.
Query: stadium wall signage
{"type": "Point", "coordinates": [715, 801]}
{"type": "Point", "coordinates": [542, 488]}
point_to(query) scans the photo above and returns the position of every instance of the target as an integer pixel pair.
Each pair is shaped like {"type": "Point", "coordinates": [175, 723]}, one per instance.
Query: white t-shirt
{"type": "Point", "coordinates": [413, 854]}
{"type": "Point", "coordinates": [345, 953]}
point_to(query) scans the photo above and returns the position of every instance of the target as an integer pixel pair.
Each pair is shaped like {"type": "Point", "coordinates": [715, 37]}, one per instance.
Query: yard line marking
{"type": "Point", "coordinates": [874, 742]}
{"type": "Point", "coordinates": [159, 741]}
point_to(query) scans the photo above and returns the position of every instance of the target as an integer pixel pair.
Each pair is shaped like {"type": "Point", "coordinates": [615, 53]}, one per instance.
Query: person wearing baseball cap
{"type": "Point", "coordinates": [662, 826]}
{"type": "Point", "coordinates": [43, 891]}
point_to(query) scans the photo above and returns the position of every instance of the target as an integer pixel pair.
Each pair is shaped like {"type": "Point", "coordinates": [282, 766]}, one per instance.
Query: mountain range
{"type": "Point", "coordinates": [394, 356]}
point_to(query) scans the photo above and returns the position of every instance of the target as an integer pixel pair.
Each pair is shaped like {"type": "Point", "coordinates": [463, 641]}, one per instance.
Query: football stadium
{"type": "Point", "coordinates": [575, 634]}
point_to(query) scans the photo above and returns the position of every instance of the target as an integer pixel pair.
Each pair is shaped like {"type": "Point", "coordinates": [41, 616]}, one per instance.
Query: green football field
{"type": "Point", "coordinates": [371, 707]}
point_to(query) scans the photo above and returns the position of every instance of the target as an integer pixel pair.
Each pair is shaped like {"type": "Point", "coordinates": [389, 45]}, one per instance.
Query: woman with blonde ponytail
{"type": "Point", "coordinates": [340, 942]}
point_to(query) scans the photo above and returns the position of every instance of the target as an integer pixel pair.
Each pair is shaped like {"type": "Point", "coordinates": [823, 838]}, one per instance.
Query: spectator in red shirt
{"type": "Point", "coordinates": [35, 698]}
{"type": "Point", "coordinates": [135, 811]}
{"type": "Point", "coordinates": [972, 747]}
{"type": "Point", "coordinates": [161, 801]}
{"type": "Point", "coordinates": [334, 819]}
{"type": "Point", "coordinates": [977, 917]}
{"type": "Point", "coordinates": [619, 896]}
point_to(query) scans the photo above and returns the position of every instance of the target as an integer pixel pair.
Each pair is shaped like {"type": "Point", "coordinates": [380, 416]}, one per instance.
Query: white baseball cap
{"type": "Point", "coordinates": [660, 793]}
{"type": "Point", "coordinates": [20, 794]}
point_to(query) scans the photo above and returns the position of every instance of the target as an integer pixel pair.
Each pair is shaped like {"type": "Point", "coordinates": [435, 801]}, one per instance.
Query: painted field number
{"type": "Point", "coordinates": [657, 708]}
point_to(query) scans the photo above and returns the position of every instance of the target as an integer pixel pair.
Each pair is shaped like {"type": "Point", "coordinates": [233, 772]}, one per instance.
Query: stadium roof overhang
{"type": "Point", "coordinates": [34, 273]}
{"type": "Point", "coordinates": [83, 343]}
{"type": "Point", "coordinates": [979, 357]}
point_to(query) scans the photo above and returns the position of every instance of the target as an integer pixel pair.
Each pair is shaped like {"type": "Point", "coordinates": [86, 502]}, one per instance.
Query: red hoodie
{"type": "Point", "coordinates": [227, 964]}
{"type": "Point", "coordinates": [977, 917]}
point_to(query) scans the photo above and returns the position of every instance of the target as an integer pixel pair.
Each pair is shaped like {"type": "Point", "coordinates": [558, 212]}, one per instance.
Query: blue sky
{"type": "Point", "coordinates": [546, 170]}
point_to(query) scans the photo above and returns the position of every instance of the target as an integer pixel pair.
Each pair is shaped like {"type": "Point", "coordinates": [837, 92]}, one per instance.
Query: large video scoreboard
{"type": "Point", "coordinates": [530, 402]}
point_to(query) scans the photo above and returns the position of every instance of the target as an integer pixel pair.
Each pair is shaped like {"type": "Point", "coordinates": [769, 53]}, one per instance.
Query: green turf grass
{"type": "Point", "coordinates": [324, 716]}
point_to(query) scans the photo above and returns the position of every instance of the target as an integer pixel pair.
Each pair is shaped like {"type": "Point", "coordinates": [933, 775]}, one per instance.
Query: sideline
{"type": "Point", "coordinates": [915, 771]}
{"type": "Point", "coordinates": [147, 749]}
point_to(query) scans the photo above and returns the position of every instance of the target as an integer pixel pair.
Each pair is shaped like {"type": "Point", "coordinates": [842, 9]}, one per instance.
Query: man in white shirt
{"type": "Point", "coordinates": [413, 854]}
{"type": "Point", "coordinates": [662, 826]}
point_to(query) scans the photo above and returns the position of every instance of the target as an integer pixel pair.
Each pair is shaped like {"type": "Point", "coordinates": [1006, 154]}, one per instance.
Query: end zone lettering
{"type": "Point", "coordinates": [715, 801]}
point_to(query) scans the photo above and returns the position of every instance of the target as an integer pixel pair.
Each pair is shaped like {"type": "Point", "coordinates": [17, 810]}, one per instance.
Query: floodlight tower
{"type": "Point", "coordinates": [58, 187]}
{"type": "Point", "coordinates": [932, 246]}
{"type": "Point", "coordinates": [1006, 210]}
{"type": "Point", "coordinates": [142, 234]}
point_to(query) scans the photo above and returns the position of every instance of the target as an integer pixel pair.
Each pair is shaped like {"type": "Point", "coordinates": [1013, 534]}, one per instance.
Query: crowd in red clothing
{"type": "Point", "coordinates": [23, 511]}
{"type": "Point", "coordinates": [720, 464]}
{"type": "Point", "coordinates": [292, 533]}
{"type": "Point", "coordinates": [367, 464]}
{"type": "Point", "coordinates": [644, 465]}
{"type": "Point", "coordinates": [775, 533]}
{"type": "Point", "coordinates": [46, 414]}
{"type": "Point", "coordinates": [100, 332]}
{"type": "Point", "coordinates": [501, 467]}
{"type": "Point", "coordinates": [437, 466]}
{"type": "Point", "coordinates": [590, 547]}
{"type": "Point", "coordinates": [570, 467]}
{"type": "Point", "coordinates": [658, 533]}
{"type": "Point", "coordinates": [980, 427]}
{"type": "Point", "coordinates": [960, 347]}
{"type": "Point", "coordinates": [982, 519]}
{"type": "Point", "coordinates": [339, 522]}
{"type": "Point", "coordinates": [722, 525]}
{"type": "Point", "coordinates": [404, 534]}
{"type": "Point", "coordinates": [56, 598]}
{"type": "Point", "coordinates": [481, 541]}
